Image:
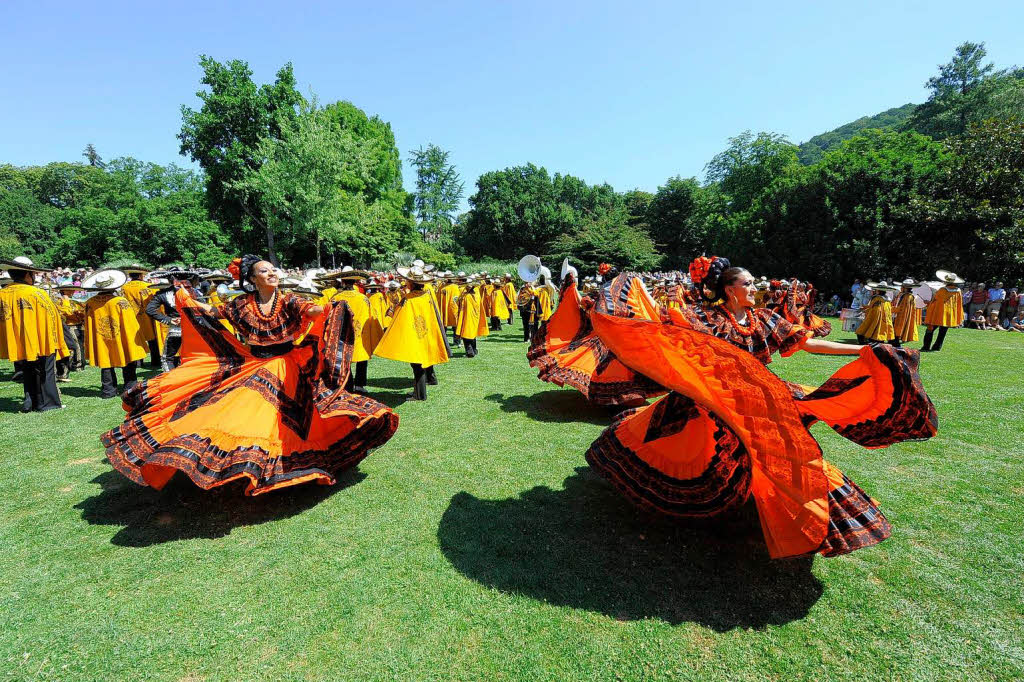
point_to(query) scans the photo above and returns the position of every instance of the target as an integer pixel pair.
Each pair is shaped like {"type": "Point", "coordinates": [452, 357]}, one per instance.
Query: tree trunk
{"type": "Point", "coordinates": [271, 253]}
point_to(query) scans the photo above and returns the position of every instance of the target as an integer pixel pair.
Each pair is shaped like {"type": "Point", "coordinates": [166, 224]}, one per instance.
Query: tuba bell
{"type": "Point", "coordinates": [529, 268]}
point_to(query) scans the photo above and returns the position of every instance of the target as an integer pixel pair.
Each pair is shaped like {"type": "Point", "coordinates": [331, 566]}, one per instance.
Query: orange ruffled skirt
{"type": "Point", "coordinates": [566, 351]}
{"type": "Point", "coordinates": [730, 429]}
{"type": "Point", "coordinates": [226, 414]}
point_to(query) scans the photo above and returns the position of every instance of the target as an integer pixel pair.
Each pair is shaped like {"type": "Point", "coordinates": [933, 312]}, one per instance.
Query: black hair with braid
{"type": "Point", "coordinates": [249, 261]}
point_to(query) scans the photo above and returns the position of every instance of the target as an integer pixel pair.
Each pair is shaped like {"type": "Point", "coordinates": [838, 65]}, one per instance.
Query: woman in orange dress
{"type": "Point", "coordinates": [566, 351]}
{"type": "Point", "coordinates": [268, 411]}
{"type": "Point", "coordinates": [730, 429]}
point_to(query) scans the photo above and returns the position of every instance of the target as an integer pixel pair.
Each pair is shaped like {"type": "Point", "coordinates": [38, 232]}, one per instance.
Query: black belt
{"type": "Point", "coordinates": [271, 351]}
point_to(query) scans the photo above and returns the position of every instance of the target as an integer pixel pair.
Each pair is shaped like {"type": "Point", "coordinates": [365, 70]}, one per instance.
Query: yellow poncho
{"type": "Point", "coordinates": [30, 326]}
{"type": "Point", "coordinates": [499, 303]}
{"type": "Point", "coordinates": [112, 335]}
{"type": "Point", "coordinates": [365, 337]}
{"type": "Point", "coordinates": [378, 317]}
{"type": "Point", "coordinates": [471, 322]}
{"type": "Point", "coordinates": [71, 311]}
{"type": "Point", "coordinates": [510, 294]}
{"type": "Point", "coordinates": [138, 294]}
{"type": "Point", "coordinates": [546, 304]}
{"type": "Point", "coordinates": [415, 334]}
{"type": "Point", "coordinates": [946, 309]}
{"type": "Point", "coordinates": [877, 324]}
{"type": "Point", "coordinates": [449, 304]}
{"type": "Point", "coordinates": [908, 317]}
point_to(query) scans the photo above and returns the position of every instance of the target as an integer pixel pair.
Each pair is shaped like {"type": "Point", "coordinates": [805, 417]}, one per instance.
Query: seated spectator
{"type": "Point", "coordinates": [977, 321]}
{"type": "Point", "coordinates": [993, 321]}
{"type": "Point", "coordinates": [1016, 323]}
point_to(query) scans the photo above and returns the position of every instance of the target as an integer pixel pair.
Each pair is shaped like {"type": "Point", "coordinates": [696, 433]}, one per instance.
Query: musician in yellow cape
{"type": "Point", "coordinates": [415, 335]}
{"type": "Point", "coordinates": [31, 335]}
{"type": "Point", "coordinates": [908, 315]}
{"type": "Point", "coordinates": [528, 305]}
{"type": "Point", "coordinates": [510, 295]}
{"type": "Point", "coordinates": [945, 310]}
{"type": "Point", "coordinates": [72, 316]}
{"type": "Point", "coordinates": [546, 298]}
{"type": "Point", "coordinates": [499, 302]}
{"type": "Point", "coordinates": [367, 335]}
{"type": "Point", "coordinates": [471, 323]}
{"type": "Point", "coordinates": [138, 292]}
{"type": "Point", "coordinates": [112, 335]}
{"type": "Point", "coordinates": [448, 301]}
{"type": "Point", "coordinates": [877, 324]}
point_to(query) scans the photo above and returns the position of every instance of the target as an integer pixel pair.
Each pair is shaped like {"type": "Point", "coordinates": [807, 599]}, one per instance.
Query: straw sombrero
{"type": "Point", "coordinates": [348, 273]}
{"type": "Point", "coordinates": [135, 268]}
{"type": "Point", "coordinates": [105, 280]}
{"type": "Point", "coordinates": [21, 263]}
{"type": "Point", "coordinates": [875, 286]}
{"type": "Point", "coordinates": [948, 277]}
{"type": "Point", "coordinates": [415, 274]}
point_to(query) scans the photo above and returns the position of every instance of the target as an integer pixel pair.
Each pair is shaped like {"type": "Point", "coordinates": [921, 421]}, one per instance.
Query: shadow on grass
{"type": "Point", "coordinates": [12, 405]}
{"type": "Point", "coordinates": [585, 547]}
{"type": "Point", "coordinates": [182, 511]}
{"type": "Point", "coordinates": [81, 391]}
{"type": "Point", "coordinates": [553, 406]}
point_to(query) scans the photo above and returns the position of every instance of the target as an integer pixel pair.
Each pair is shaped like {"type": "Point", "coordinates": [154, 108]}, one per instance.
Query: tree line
{"type": "Point", "coordinates": [938, 184]}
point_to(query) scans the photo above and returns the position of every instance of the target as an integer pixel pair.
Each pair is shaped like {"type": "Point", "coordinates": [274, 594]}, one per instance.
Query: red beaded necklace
{"type": "Point", "coordinates": [754, 324]}
{"type": "Point", "coordinates": [273, 306]}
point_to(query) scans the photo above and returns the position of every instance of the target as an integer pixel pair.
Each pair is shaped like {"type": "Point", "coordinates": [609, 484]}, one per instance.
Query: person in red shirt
{"type": "Point", "coordinates": [978, 299]}
{"type": "Point", "coordinates": [1010, 305]}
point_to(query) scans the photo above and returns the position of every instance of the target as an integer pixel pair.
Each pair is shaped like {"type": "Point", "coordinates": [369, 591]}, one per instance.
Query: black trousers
{"type": "Point", "coordinates": [69, 363]}
{"type": "Point", "coordinates": [40, 380]}
{"type": "Point", "coordinates": [357, 379]}
{"type": "Point", "coordinates": [154, 353]}
{"type": "Point", "coordinates": [495, 324]}
{"type": "Point", "coordinates": [170, 358]}
{"type": "Point", "coordinates": [108, 379]}
{"type": "Point", "coordinates": [431, 376]}
{"type": "Point", "coordinates": [470, 346]}
{"type": "Point", "coordinates": [419, 382]}
{"type": "Point", "coordinates": [510, 317]}
{"type": "Point", "coordinates": [927, 345]}
{"type": "Point", "coordinates": [528, 328]}
{"type": "Point", "coordinates": [80, 362]}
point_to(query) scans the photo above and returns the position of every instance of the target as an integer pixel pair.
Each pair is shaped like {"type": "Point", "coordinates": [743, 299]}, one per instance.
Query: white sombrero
{"type": "Point", "coordinates": [948, 277]}
{"type": "Point", "coordinates": [21, 263]}
{"type": "Point", "coordinates": [105, 280]}
{"type": "Point", "coordinates": [415, 274]}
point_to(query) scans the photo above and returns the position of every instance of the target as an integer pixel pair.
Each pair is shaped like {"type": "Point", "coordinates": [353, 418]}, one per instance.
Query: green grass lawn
{"type": "Point", "coordinates": [476, 544]}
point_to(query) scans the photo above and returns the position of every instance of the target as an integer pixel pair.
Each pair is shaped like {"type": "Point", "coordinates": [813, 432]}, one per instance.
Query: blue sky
{"type": "Point", "coordinates": [629, 93]}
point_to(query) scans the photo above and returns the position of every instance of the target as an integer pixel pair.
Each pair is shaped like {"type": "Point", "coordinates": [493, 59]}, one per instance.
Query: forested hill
{"type": "Point", "coordinates": [811, 151]}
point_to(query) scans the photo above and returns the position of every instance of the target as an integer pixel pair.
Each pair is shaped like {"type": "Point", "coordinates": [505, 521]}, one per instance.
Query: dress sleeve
{"type": "Point", "coordinates": [784, 336]}
{"type": "Point", "coordinates": [297, 307]}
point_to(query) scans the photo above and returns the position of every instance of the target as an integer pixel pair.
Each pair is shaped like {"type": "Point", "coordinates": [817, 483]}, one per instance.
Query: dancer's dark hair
{"type": "Point", "coordinates": [249, 261]}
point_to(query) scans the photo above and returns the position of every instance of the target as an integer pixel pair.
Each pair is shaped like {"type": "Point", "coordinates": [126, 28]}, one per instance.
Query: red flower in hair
{"type": "Point", "coordinates": [235, 268]}
{"type": "Point", "coordinates": [699, 268]}
{"type": "Point", "coordinates": [604, 268]}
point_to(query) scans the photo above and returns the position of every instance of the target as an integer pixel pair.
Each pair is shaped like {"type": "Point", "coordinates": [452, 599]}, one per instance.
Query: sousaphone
{"type": "Point", "coordinates": [529, 268]}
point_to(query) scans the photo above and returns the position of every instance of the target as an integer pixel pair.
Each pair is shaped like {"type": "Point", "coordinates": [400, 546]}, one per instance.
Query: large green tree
{"type": "Point", "coordinates": [320, 189]}
{"type": "Point", "coordinates": [749, 164]}
{"type": "Point", "coordinates": [439, 190]}
{"type": "Point", "coordinates": [968, 90]}
{"type": "Point", "coordinates": [224, 134]}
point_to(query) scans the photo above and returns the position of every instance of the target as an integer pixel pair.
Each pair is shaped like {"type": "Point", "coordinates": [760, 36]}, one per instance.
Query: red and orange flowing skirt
{"type": "Point", "coordinates": [566, 351]}
{"type": "Point", "coordinates": [730, 430]}
{"type": "Point", "coordinates": [226, 414]}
